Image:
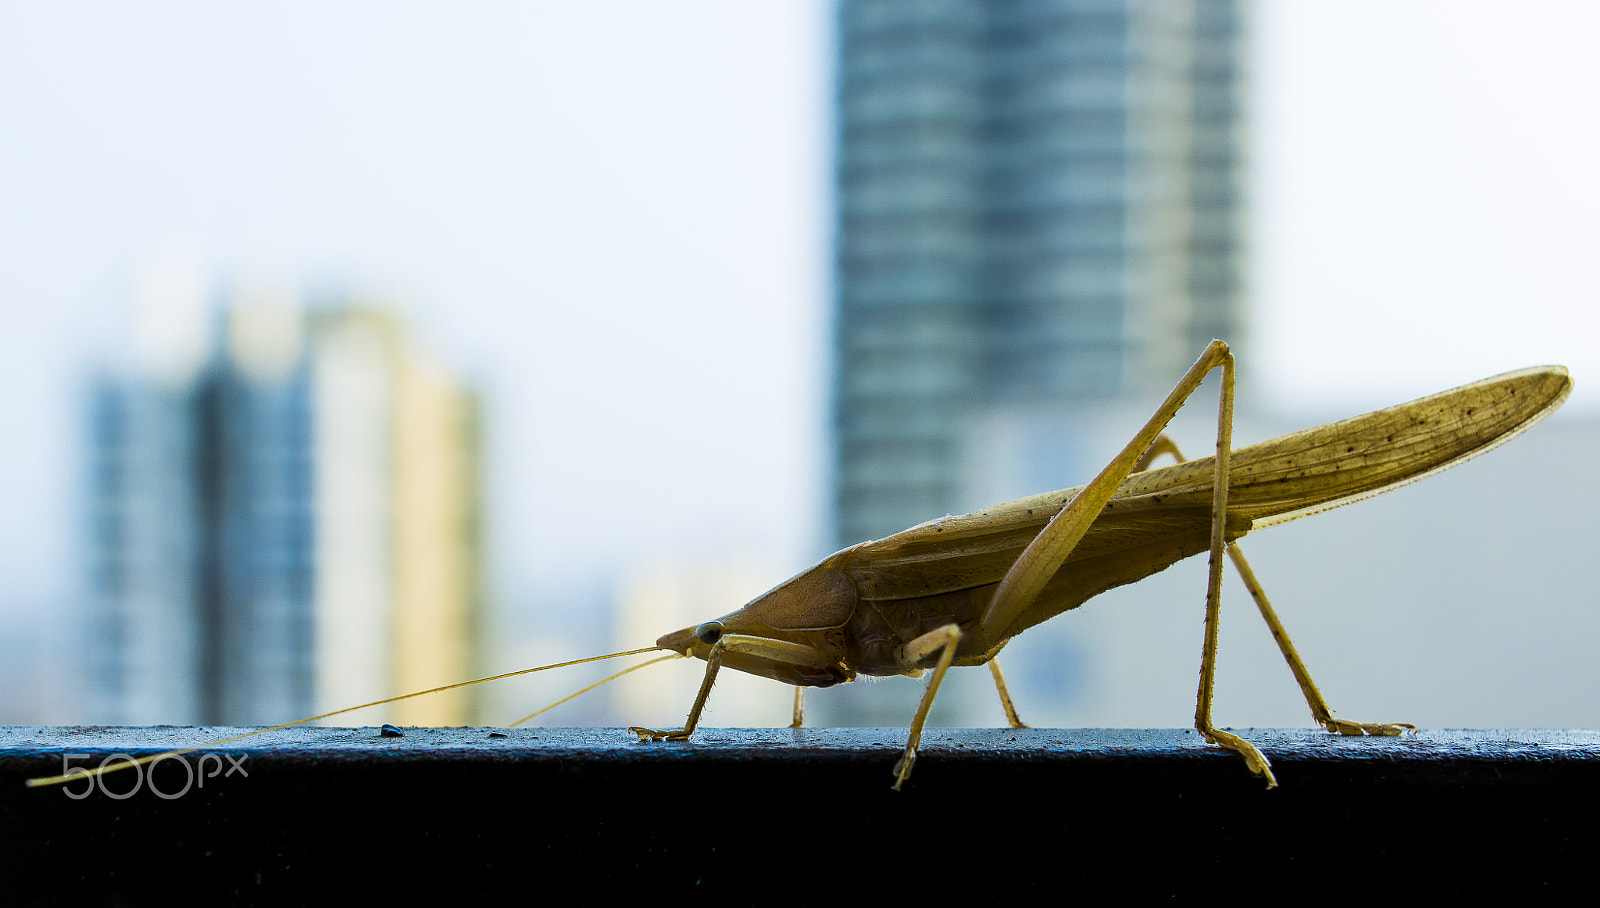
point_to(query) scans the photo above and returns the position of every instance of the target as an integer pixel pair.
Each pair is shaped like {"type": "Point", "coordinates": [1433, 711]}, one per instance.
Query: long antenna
{"type": "Point", "coordinates": [606, 680]}
{"type": "Point", "coordinates": [102, 770]}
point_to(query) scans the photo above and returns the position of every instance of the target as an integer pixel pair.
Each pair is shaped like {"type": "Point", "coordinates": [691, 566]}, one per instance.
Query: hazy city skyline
{"type": "Point", "coordinates": [615, 222]}
{"type": "Point", "coordinates": [284, 508]}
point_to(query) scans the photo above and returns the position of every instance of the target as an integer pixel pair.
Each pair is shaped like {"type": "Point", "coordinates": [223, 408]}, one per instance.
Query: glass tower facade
{"type": "Point", "coordinates": [1040, 208]}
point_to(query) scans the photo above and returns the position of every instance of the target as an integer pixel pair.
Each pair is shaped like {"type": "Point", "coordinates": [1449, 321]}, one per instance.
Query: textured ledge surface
{"type": "Point", "coordinates": [997, 813]}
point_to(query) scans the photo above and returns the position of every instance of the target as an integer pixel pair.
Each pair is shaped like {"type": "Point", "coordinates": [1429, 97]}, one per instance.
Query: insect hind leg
{"type": "Point", "coordinates": [1050, 549]}
{"type": "Point", "coordinates": [1320, 711]}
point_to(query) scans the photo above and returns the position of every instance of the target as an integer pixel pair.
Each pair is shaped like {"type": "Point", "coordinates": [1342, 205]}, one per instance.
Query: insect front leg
{"type": "Point", "coordinates": [713, 664]}
{"type": "Point", "coordinates": [741, 652]}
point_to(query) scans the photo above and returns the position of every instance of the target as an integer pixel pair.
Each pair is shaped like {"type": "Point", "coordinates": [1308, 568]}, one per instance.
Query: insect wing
{"type": "Point", "coordinates": [1164, 514]}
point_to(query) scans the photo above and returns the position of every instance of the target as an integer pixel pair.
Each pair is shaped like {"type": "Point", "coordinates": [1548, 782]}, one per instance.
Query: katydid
{"type": "Point", "coordinates": [955, 590]}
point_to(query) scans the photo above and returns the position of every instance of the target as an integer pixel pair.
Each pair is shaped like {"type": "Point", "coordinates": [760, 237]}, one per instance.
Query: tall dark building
{"type": "Point", "coordinates": [1041, 209]}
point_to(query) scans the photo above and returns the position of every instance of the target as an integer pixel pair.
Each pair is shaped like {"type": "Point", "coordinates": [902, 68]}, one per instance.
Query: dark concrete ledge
{"type": "Point", "coordinates": [779, 816]}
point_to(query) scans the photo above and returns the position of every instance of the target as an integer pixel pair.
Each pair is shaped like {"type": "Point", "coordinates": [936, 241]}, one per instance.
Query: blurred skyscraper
{"type": "Point", "coordinates": [287, 525]}
{"type": "Point", "coordinates": [1040, 210]}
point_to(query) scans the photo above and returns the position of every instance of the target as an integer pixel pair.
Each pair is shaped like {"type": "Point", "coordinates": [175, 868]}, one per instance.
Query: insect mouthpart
{"type": "Point", "coordinates": [709, 633]}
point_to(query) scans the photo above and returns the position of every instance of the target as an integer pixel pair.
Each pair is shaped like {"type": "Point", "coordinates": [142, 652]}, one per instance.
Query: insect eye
{"type": "Point", "coordinates": [709, 633]}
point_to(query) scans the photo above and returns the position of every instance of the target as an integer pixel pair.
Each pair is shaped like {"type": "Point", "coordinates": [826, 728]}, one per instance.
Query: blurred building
{"type": "Point", "coordinates": [289, 526]}
{"type": "Point", "coordinates": [1040, 210]}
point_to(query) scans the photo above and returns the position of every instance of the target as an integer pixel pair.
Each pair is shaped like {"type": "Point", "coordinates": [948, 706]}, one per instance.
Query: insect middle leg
{"type": "Point", "coordinates": [1005, 695]}
{"type": "Point", "coordinates": [941, 640]}
{"type": "Point", "coordinates": [1320, 711]}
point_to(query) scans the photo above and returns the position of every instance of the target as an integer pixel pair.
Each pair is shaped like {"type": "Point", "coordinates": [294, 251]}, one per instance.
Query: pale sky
{"type": "Point", "coordinates": [1427, 205]}
{"type": "Point", "coordinates": [615, 218]}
